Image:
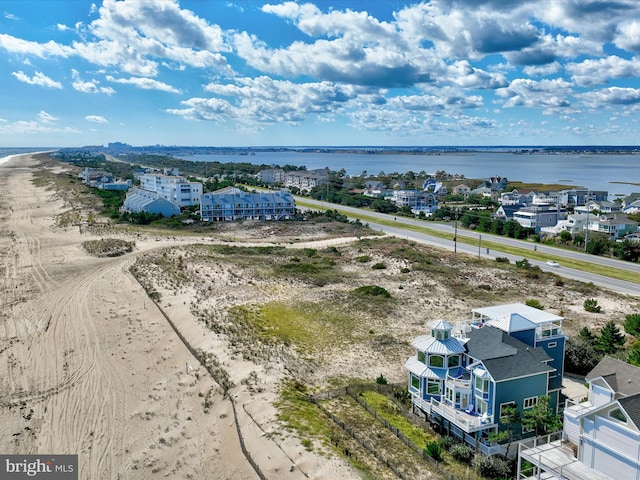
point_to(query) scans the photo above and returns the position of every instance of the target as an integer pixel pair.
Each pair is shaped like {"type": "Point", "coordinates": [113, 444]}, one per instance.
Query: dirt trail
{"type": "Point", "coordinates": [87, 363]}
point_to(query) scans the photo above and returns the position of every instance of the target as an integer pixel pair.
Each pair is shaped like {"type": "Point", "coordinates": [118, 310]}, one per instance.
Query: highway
{"type": "Point", "coordinates": [398, 229]}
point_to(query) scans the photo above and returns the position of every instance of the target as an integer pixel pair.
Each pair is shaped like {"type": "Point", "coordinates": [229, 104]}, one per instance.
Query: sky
{"type": "Point", "coordinates": [331, 73]}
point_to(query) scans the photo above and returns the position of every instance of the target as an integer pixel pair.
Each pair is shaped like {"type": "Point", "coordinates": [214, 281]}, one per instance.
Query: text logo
{"type": "Point", "coordinates": [49, 467]}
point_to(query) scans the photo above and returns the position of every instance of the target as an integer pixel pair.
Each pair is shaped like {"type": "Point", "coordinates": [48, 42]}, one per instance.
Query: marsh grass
{"type": "Point", "coordinates": [310, 327]}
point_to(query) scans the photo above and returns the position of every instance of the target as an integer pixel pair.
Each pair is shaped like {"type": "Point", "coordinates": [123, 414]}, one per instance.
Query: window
{"type": "Point", "coordinates": [422, 358]}
{"type": "Point", "coordinates": [449, 395]}
{"type": "Point", "coordinates": [442, 334]}
{"type": "Point", "coordinates": [434, 387]}
{"type": "Point", "coordinates": [618, 415]}
{"type": "Point", "coordinates": [530, 402]}
{"type": "Point", "coordinates": [415, 382]}
{"type": "Point", "coordinates": [453, 361]}
{"type": "Point", "coordinates": [482, 385]}
{"type": "Point", "coordinates": [552, 345]}
{"type": "Point", "coordinates": [505, 407]}
{"type": "Point", "coordinates": [436, 361]}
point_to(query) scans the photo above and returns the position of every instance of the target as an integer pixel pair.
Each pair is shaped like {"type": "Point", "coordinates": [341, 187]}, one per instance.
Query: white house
{"type": "Point", "coordinates": [616, 225]}
{"type": "Point", "coordinates": [575, 223]}
{"type": "Point", "coordinates": [306, 180]}
{"type": "Point", "coordinates": [601, 435]}
{"type": "Point", "coordinates": [174, 188]}
{"type": "Point", "coordinates": [272, 175]}
{"type": "Point", "coordinates": [538, 216]}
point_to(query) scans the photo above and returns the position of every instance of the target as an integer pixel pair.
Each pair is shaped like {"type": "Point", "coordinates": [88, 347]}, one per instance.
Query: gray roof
{"type": "Point", "coordinates": [631, 405]}
{"type": "Point", "coordinates": [504, 356]}
{"type": "Point", "coordinates": [622, 377]}
{"type": "Point", "coordinates": [430, 344]}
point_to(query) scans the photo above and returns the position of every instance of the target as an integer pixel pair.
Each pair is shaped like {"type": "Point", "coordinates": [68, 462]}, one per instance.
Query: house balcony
{"type": "Point", "coordinates": [458, 384]}
{"type": "Point", "coordinates": [468, 422]}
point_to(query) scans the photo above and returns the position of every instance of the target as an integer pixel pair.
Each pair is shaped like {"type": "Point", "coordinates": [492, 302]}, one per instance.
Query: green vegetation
{"type": "Point", "coordinates": [632, 324]}
{"type": "Point", "coordinates": [496, 247]}
{"type": "Point", "coordinates": [534, 303]}
{"type": "Point", "coordinates": [541, 418]}
{"type": "Point", "coordinates": [372, 290]}
{"type": "Point", "coordinates": [610, 340]}
{"type": "Point", "coordinates": [591, 305]}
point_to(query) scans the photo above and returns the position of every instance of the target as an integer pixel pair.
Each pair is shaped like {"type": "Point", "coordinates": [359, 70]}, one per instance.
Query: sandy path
{"type": "Point", "coordinates": [87, 363]}
{"type": "Point", "coordinates": [90, 365]}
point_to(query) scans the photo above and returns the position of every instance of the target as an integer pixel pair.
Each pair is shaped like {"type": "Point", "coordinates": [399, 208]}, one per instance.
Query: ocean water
{"type": "Point", "coordinates": [616, 174]}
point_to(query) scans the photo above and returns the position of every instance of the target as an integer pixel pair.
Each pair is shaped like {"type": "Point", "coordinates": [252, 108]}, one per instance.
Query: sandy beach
{"type": "Point", "coordinates": [90, 366]}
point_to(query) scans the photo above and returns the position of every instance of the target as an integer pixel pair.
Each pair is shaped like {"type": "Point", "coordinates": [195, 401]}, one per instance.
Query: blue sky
{"type": "Point", "coordinates": [380, 72]}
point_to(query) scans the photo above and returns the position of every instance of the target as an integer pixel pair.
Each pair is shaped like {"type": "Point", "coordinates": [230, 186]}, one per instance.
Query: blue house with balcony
{"type": "Point", "coordinates": [461, 377]}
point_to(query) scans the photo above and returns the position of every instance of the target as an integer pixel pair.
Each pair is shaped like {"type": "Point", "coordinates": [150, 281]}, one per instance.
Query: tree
{"type": "Point", "coordinates": [565, 236]}
{"type": "Point", "coordinates": [510, 417]}
{"type": "Point", "coordinates": [610, 338]}
{"type": "Point", "coordinates": [591, 305]}
{"type": "Point", "coordinates": [580, 356]}
{"type": "Point", "coordinates": [541, 418]}
{"type": "Point", "coordinates": [632, 324]}
{"type": "Point", "coordinates": [634, 354]}
{"type": "Point", "coordinates": [586, 335]}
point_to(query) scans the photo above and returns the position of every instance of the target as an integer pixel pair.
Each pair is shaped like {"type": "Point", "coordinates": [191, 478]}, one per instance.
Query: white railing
{"type": "Point", "coordinates": [463, 420]}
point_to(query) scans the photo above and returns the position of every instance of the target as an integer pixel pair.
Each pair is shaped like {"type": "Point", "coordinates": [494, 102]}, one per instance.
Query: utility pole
{"type": "Point", "coordinates": [586, 231]}
{"type": "Point", "coordinates": [479, 240]}
{"type": "Point", "coordinates": [455, 233]}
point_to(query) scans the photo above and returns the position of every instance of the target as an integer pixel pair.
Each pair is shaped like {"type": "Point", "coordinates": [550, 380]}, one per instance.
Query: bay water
{"type": "Point", "coordinates": [617, 174]}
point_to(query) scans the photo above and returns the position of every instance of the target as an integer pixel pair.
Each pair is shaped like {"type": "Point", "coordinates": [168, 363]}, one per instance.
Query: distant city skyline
{"type": "Point", "coordinates": [331, 73]}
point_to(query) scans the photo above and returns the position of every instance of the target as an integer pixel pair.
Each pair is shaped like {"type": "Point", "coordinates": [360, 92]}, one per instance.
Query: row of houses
{"type": "Point", "coordinates": [167, 192]}
{"type": "Point", "coordinates": [464, 375]}
{"type": "Point", "coordinates": [303, 180]}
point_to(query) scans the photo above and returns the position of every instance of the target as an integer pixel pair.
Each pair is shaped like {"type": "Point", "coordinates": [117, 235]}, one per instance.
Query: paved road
{"type": "Point", "coordinates": [629, 288]}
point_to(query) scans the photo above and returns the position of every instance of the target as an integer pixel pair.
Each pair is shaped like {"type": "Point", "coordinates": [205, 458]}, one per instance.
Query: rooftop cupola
{"type": "Point", "coordinates": [441, 330]}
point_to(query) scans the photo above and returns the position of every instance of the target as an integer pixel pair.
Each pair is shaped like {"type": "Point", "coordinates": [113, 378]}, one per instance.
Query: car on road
{"type": "Point", "coordinates": [551, 263]}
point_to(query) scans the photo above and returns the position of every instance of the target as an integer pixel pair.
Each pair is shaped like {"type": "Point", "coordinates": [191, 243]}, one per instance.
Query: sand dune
{"type": "Point", "coordinates": [89, 365]}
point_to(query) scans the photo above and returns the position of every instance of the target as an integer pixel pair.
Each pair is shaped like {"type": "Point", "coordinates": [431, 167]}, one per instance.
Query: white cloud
{"type": "Point", "coordinates": [546, 93]}
{"type": "Point", "coordinates": [90, 86]}
{"type": "Point", "coordinates": [39, 79]}
{"type": "Point", "coordinates": [26, 47]}
{"type": "Point", "coordinates": [44, 117]}
{"type": "Point", "coordinates": [599, 71]}
{"type": "Point", "coordinates": [144, 83]}
{"type": "Point", "coordinates": [96, 119]}
{"type": "Point", "coordinates": [612, 96]}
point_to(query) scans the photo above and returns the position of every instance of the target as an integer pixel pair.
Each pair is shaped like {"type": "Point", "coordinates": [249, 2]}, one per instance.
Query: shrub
{"type": "Point", "coordinates": [632, 324]}
{"type": "Point", "coordinates": [591, 305]}
{"type": "Point", "coordinates": [378, 266]}
{"type": "Point", "coordinates": [404, 270]}
{"type": "Point", "coordinates": [381, 380]}
{"type": "Point", "coordinates": [363, 259]}
{"type": "Point", "coordinates": [524, 264]}
{"type": "Point", "coordinates": [535, 303]}
{"type": "Point", "coordinates": [491, 467]}
{"type": "Point", "coordinates": [372, 290]}
{"type": "Point", "coordinates": [462, 453]}
{"type": "Point", "coordinates": [502, 260]}
{"type": "Point", "coordinates": [447, 442]}
{"type": "Point", "coordinates": [434, 451]}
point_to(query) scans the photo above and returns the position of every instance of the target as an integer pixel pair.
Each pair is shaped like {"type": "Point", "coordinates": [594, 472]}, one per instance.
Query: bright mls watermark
{"type": "Point", "coordinates": [50, 467]}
